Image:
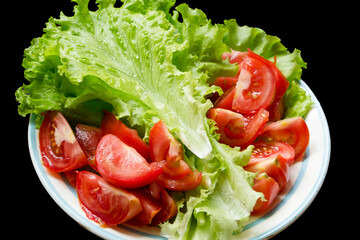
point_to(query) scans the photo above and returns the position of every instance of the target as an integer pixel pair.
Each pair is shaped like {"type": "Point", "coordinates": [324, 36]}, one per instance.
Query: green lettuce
{"type": "Point", "coordinates": [142, 63]}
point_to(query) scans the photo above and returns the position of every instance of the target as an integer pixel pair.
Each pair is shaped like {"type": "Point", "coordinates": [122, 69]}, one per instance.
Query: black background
{"type": "Point", "coordinates": [320, 31]}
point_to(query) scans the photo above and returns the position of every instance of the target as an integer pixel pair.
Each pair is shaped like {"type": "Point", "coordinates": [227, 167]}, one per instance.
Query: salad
{"type": "Point", "coordinates": [159, 117]}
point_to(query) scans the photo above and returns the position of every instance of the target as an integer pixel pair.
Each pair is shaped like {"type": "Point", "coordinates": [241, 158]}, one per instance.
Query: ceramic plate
{"type": "Point", "coordinates": [306, 178]}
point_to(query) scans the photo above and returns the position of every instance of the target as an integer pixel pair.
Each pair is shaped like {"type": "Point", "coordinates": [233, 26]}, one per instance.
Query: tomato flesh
{"type": "Point", "coordinates": [88, 138]}
{"type": "Point", "coordinates": [122, 166]}
{"type": "Point", "coordinates": [277, 168]}
{"type": "Point", "coordinates": [293, 131]}
{"type": "Point", "coordinates": [269, 187]}
{"type": "Point", "coordinates": [236, 129]}
{"type": "Point", "coordinates": [255, 88]}
{"type": "Point", "coordinates": [168, 206]}
{"type": "Point", "coordinates": [60, 151]}
{"type": "Point", "coordinates": [150, 207]}
{"type": "Point", "coordinates": [187, 183]}
{"type": "Point", "coordinates": [164, 146]}
{"type": "Point", "coordinates": [265, 150]}
{"type": "Point", "coordinates": [104, 203]}
{"type": "Point", "coordinates": [111, 125]}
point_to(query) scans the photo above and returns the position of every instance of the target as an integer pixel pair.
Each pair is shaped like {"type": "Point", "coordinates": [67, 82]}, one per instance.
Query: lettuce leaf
{"type": "Point", "coordinates": [144, 64]}
{"type": "Point", "coordinates": [125, 54]}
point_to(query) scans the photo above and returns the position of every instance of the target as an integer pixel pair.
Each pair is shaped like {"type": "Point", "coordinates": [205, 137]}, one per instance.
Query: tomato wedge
{"type": "Point", "coordinates": [266, 150]}
{"type": "Point", "coordinates": [168, 206]}
{"type": "Point", "coordinates": [256, 85]}
{"type": "Point", "coordinates": [277, 168]}
{"type": "Point", "coordinates": [104, 203]}
{"type": "Point", "coordinates": [164, 146]}
{"type": "Point", "coordinates": [293, 131]}
{"type": "Point", "coordinates": [269, 187]}
{"type": "Point", "coordinates": [111, 125]}
{"type": "Point", "coordinates": [60, 151]}
{"type": "Point", "coordinates": [88, 138]}
{"type": "Point", "coordinates": [236, 129]}
{"type": "Point", "coordinates": [122, 166]}
{"type": "Point", "coordinates": [276, 110]}
{"type": "Point", "coordinates": [150, 207]}
{"type": "Point", "coordinates": [187, 183]}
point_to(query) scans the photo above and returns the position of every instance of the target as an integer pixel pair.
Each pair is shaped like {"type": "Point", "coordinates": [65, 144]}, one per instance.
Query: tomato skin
{"type": "Point", "coordinates": [293, 131]}
{"type": "Point", "coordinates": [269, 187]}
{"type": "Point", "coordinates": [104, 203]}
{"type": "Point", "coordinates": [122, 166]}
{"type": "Point", "coordinates": [266, 150]}
{"type": "Point", "coordinates": [225, 82]}
{"type": "Point", "coordinates": [234, 56]}
{"type": "Point", "coordinates": [150, 207]}
{"type": "Point", "coordinates": [163, 146]}
{"type": "Point", "coordinates": [59, 148]}
{"type": "Point", "coordinates": [168, 206]}
{"type": "Point", "coordinates": [256, 85]}
{"type": "Point", "coordinates": [226, 100]}
{"type": "Point", "coordinates": [187, 183]}
{"type": "Point", "coordinates": [88, 138]}
{"type": "Point", "coordinates": [277, 168]}
{"type": "Point", "coordinates": [111, 125]}
{"type": "Point", "coordinates": [236, 129]}
{"type": "Point", "coordinates": [276, 110]}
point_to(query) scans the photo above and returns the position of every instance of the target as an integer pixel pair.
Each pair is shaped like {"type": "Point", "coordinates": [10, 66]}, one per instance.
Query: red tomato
{"type": "Point", "coordinates": [234, 56]}
{"type": "Point", "coordinates": [277, 168]}
{"type": "Point", "coordinates": [236, 129]}
{"type": "Point", "coordinates": [226, 100]}
{"type": "Point", "coordinates": [104, 203]}
{"type": "Point", "coordinates": [168, 206]}
{"type": "Point", "coordinates": [276, 110]}
{"type": "Point", "coordinates": [293, 131]}
{"type": "Point", "coordinates": [225, 82]}
{"type": "Point", "coordinates": [122, 166]}
{"type": "Point", "coordinates": [266, 150]}
{"type": "Point", "coordinates": [269, 187]}
{"type": "Point", "coordinates": [111, 125]}
{"type": "Point", "coordinates": [281, 83]}
{"type": "Point", "coordinates": [187, 183]}
{"type": "Point", "coordinates": [256, 85]}
{"type": "Point", "coordinates": [150, 207]}
{"type": "Point", "coordinates": [59, 148]}
{"type": "Point", "coordinates": [88, 138]}
{"type": "Point", "coordinates": [163, 146]}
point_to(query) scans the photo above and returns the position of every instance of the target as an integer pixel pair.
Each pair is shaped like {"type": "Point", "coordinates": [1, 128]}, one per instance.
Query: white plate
{"type": "Point", "coordinates": [306, 178]}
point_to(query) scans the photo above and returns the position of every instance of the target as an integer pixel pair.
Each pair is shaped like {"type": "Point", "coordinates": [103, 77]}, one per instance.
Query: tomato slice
{"type": "Point", "coordinates": [225, 82]}
{"type": "Point", "coordinates": [234, 56]}
{"type": "Point", "coordinates": [164, 146]}
{"type": "Point", "coordinates": [122, 166]}
{"type": "Point", "coordinates": [168, 206]}
{"type": "Point", "coordinates": [111, 125]}
{"type": "Point", "coordinates": [150, 207]}
{"type": "Point", "coordinates": [277, 168]}
{"type": "Point", "coordinates": [104, 203]}
{"type": "Point", "coordinates": [256, 85]}
{"type": "Point", "coordinates": [187, 183]}
{"type": "Point", "coordinates": [88, 138]}
{"type": "Point", "coordinates": [282, 83]}
{"type": "Point", "coordinates": [269, 187]}
{"type": "Point", "coordinates": [60, 151]}
{"type": "Point", "coordinates": [236, 129]}
{"type": "Point", "coordinates": [276, 110]}
{"type": "Point", "coordinates": [226, 100]}
{"type": "Point", "coordinates": [293, 131]}
{"type": "Point", "coordinates": [266, 150]}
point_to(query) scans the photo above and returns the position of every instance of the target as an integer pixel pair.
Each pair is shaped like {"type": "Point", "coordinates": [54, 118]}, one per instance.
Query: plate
{"type": "Point", "coordinates": [305, 181]}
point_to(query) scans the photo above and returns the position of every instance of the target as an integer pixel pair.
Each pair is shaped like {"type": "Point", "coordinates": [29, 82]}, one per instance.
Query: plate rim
{"type": "Point", "coordinates": [61, 202]}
